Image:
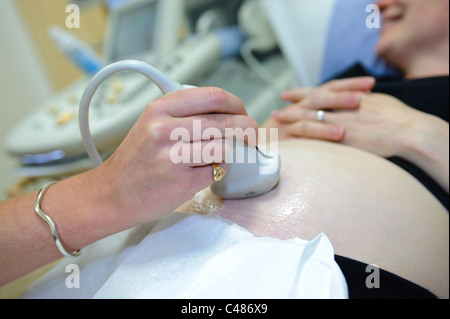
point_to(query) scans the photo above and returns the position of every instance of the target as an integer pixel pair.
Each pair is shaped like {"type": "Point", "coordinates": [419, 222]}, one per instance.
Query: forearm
{"type": "Point", "coordinates": [80, 215]}
{"type": "Point", "coordinates": [426, 145]}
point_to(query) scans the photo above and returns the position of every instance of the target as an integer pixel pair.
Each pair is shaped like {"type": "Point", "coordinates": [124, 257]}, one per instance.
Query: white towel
{"type": "Point", "coordinates": [194, 256]}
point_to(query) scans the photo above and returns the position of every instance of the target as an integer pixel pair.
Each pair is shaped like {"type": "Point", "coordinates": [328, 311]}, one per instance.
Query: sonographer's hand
{"type": "Point", "coordinates": [139, 183]}
{"type": "Point", "coordinates": [145, 178]}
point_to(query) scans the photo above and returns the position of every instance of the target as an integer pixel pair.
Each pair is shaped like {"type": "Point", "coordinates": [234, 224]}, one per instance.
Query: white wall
{"type": "Point", "coordinates": [23, 81]}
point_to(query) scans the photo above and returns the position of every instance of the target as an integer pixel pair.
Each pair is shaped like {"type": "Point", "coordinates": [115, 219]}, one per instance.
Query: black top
{"type": "Point", "coordinates": [429, 95]}
{"type": "Point", "coordinates": [362, 283]}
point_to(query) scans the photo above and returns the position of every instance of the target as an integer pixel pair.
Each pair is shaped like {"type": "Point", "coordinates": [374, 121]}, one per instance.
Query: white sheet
{"type": "Point", "coordinates": [193, 256]}
{"type": "Point", "coordinates": [302, 28]}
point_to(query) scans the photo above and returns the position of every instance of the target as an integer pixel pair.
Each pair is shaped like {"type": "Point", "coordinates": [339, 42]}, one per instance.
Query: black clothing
{"type": "Point", "coordinates": [390, 286]}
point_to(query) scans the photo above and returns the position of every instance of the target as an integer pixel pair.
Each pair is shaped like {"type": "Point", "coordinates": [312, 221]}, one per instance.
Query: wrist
{"type": "Point", "coordinates": [422, 137]}
{"type": "Point", "coordinates": [426, 144]}
{"type": "Point", "coordinates": [80, 208]}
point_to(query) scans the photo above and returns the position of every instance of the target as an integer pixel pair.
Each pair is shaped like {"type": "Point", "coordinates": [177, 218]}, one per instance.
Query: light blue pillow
{"type": "Point", "coordinates": [350, 41]}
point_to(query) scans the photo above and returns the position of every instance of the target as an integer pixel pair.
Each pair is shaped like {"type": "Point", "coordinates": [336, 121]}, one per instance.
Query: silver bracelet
{"type": "Point", "coordinates": [51, 224]}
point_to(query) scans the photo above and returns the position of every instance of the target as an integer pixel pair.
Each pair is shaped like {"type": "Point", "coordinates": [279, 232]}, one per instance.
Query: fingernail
{"type": "Point", "coordinates": [369, 80]}
{"type": "Point", "coordinates": [276, 113]}
{"type": "Point", "coordinates": [337, 132]}
{"type": "Point", "coordinates": [287, 96]}
{"type": "Point", "coordinates": [354, 99]}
